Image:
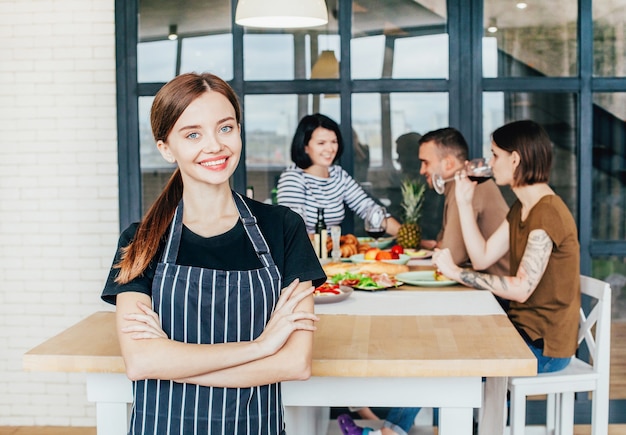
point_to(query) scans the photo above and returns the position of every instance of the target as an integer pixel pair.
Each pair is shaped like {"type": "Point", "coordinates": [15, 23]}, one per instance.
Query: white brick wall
{"type": "Point", "coordinates": [58, 192]}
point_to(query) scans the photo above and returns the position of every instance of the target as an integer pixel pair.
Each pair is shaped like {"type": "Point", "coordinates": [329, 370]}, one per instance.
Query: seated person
{"type": "Point", "coordinates": [541, 236]}
{"type": "Point", "coordinates": [316, 181]}
{"type": "Point", "coordinates": [445, 152]}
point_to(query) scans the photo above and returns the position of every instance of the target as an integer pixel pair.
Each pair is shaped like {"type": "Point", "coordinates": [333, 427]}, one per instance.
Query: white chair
{"type": "Point", "coordinates": [578, 376]}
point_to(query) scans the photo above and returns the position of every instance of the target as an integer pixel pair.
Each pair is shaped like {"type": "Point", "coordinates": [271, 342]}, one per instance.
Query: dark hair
{"type": "Point", "coordinates": [449, 141]}
{"type": "Point", "coordinates": [301, 138]}
{"type": "Point", "coordinates": [169, 104]}
{"type": "Point", "coordinates": [408, 143]}
{"type": "Point", "coordinates": [534, 147]}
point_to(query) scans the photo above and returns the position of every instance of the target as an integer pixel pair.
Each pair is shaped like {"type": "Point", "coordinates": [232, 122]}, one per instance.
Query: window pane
{"type": "Point", "coordinates": [155, 171]}
{"type": "Point", "coordinates": [268, 57]}
{"type": "Point", "coordinates": [556, 112]}
{"type": "Point", "coordinates": [421, 57]}
{"type": "Point", "coordinates": [208, 54]}
{"type": "Point", "coordinates": [270, 123]}
{"type": "Point", "coordinates": [203, 34]}
{"type": "Point", "coordinates": [609, 46]}
{"type": "Point", "coordinates": [279, 55]}
{"type": "Point", "coordinates": [381, 122]}
{"type": "Point", "coordinates": [609, 166]}
{"type": "Point", "coordinates": [399, 39]}
{"type": "Point", "coordinates": [156, 61]}
{"type": "Point", "coordinates": [538, 40]}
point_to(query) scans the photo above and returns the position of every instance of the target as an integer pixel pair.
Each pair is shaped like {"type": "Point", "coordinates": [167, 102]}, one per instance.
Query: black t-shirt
{"type": "Point", "coordinates": [283, 230]}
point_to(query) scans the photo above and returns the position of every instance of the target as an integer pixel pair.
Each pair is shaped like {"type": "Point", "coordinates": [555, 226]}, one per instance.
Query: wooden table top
{"type": "Point", "coordinates": [344, 345]}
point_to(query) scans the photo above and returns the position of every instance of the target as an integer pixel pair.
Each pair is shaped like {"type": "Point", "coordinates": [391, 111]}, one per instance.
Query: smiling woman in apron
{"type": "Point", "coordinates": [207, 327]}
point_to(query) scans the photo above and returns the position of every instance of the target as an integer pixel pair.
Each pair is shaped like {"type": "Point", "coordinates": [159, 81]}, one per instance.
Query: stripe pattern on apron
{"type": "Point", "coordinates": [198, 305]}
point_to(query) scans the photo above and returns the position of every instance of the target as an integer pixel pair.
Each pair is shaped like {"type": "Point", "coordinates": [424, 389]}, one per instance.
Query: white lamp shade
{"type": "Point", "coordinates": [283, 14]}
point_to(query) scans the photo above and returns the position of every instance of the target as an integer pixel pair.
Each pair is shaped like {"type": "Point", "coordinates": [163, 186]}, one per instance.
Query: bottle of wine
{"type": "Point", "coordinates": [321, 234]}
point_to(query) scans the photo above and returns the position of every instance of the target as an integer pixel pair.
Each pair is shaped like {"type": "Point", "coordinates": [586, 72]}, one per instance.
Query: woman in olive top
{"type": "Point", "coordinates": [541, 236]}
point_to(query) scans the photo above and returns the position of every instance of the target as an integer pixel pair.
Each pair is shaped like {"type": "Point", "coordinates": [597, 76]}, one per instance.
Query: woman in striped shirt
{"type": "Point", "coordinates": [315, 181]}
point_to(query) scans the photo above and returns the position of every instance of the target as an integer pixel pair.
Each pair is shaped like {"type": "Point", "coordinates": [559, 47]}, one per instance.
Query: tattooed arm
{"type": "Point", "coordinates": [516, 288]}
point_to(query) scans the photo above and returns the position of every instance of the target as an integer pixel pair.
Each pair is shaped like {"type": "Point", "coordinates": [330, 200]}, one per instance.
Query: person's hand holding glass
{"type": "Point", "coordinates": [376, 223]}
{"type": "Point", "coordinates": [476, 170]}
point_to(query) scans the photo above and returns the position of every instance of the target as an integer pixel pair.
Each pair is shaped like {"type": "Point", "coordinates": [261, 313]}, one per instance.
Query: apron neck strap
{"type": "Point", "coordinates": [254, 233]}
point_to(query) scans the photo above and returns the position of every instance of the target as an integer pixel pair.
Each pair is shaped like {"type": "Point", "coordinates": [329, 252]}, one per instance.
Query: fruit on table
{"type": "Point", "coordinates": [397, 249]}
{"type": "Point", "coordinates": [410, 234]}
{"type": "Point", "coordinates": [383, 255]}
{"type": "Point", "coordinates": [371, 253]}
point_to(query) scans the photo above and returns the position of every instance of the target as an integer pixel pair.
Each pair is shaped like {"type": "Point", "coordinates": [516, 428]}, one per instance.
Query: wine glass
{"type": "Point", "coordinates": [477, 170]}
{"type": "Point", "coordinates": [376, 223]}
{"type": "Point", "coordinates": [335, 235]}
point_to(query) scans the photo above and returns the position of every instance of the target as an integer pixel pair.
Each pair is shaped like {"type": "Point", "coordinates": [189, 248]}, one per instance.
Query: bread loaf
{"type": "Point", "coordinates": [382, 267]}
{"type": "Point", "coordinates": [349, 245]}
{"type": "Point", "coordinates": [391, 269]}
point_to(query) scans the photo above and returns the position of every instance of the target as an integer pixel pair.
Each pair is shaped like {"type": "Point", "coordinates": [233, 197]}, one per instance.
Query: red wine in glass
{"type": "Point", "coordinates": [376, 223]}
{"type": "Point", "coordinates": [478, 178]}
{"type": "Point", "coordinates": [376, 234]}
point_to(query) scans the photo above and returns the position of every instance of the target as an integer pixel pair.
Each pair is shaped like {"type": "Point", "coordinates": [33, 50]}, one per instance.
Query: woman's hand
{"type": "Point", "coordinates": [285, 320]}
{"type": "Point", "coordinates": [463, 189]}
{"type": "Point", "coordinates": [442, 259]}
{"type": "Point", "coordinates": [146, 324]}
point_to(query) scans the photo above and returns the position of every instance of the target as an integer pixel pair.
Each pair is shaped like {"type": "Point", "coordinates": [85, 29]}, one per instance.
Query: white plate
{"type": "Point", "coordinates": [330, 298]}
{"type": "Point", "coordinates": [424, 278]}
{"type": "Point", "coordinates": [418, 253]}
{"type": "Point", "coordinates": [360, 258]}
{"type": "Point", "coordinates": [383, 242]}
{"type": "Point", "coordinates": [375, 289]}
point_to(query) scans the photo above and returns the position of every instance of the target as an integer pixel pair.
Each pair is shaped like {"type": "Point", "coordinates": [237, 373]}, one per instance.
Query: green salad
{"type": "Point", "coordinates": [352, 279]}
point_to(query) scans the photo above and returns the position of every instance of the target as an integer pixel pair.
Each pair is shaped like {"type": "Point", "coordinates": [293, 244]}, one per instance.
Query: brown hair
{"type": "Point", "coordinates": [449, 141]}
{"type": "Point", "coordinates": [533, 144]}
{"type": "Point", "coordinates": [169, 104]}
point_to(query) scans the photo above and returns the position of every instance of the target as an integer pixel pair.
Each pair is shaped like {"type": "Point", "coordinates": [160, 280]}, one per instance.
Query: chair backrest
{"type": "Point", "coordinates": [598, 343]}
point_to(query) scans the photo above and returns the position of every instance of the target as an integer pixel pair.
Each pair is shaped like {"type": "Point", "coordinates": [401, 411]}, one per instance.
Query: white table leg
{"type": "Point", "coordinates": [112, 393]}
{"type": "Point", "coordinates": [306, 420]}
{"type": "Point", "coordinates": [455, 421]}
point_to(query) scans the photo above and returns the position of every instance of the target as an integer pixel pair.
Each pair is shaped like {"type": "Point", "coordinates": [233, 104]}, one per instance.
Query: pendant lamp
{"type": "Point", "coordinates": [283, 14]}
{"type": "Point", "coordinates": [326, 67]}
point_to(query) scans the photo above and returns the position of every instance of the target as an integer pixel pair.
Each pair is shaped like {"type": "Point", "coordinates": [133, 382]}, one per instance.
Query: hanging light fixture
{"type": "Point", "coordinates": [326, 67]}
{"type": "Point", "coordinates": [173, 33]}
{"type": "Point", "coordinates": [493, 26]}
{"type": "Point", "coordinates": [284, 14]}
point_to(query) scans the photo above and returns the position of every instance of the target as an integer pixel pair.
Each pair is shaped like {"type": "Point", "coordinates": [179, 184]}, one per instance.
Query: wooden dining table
{"type": "Point", "coordinates": [410, 346]}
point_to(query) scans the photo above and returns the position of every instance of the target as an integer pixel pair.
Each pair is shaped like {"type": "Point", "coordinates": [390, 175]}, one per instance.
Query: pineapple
{"type": "Point", "coordinates": [410, 234]}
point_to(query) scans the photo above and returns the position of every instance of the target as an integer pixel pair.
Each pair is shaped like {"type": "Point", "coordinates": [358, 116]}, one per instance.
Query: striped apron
{"type": "Point", "coordinates": [198, 305]}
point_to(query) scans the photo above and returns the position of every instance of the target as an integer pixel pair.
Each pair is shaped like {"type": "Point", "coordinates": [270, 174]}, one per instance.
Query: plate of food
{"type": "Point", "coordinates": [426, 278]}
{"type": "Point", "coordinates": [380, 255]}
{"type": "Point", "coordinates": [419, 253]}
{"type": "Point", "coordinates": [365, 281]}
{"type": "Point", "coordinates": [329, 292]}
{"type": "Point", "coordinates": [382, 243]}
